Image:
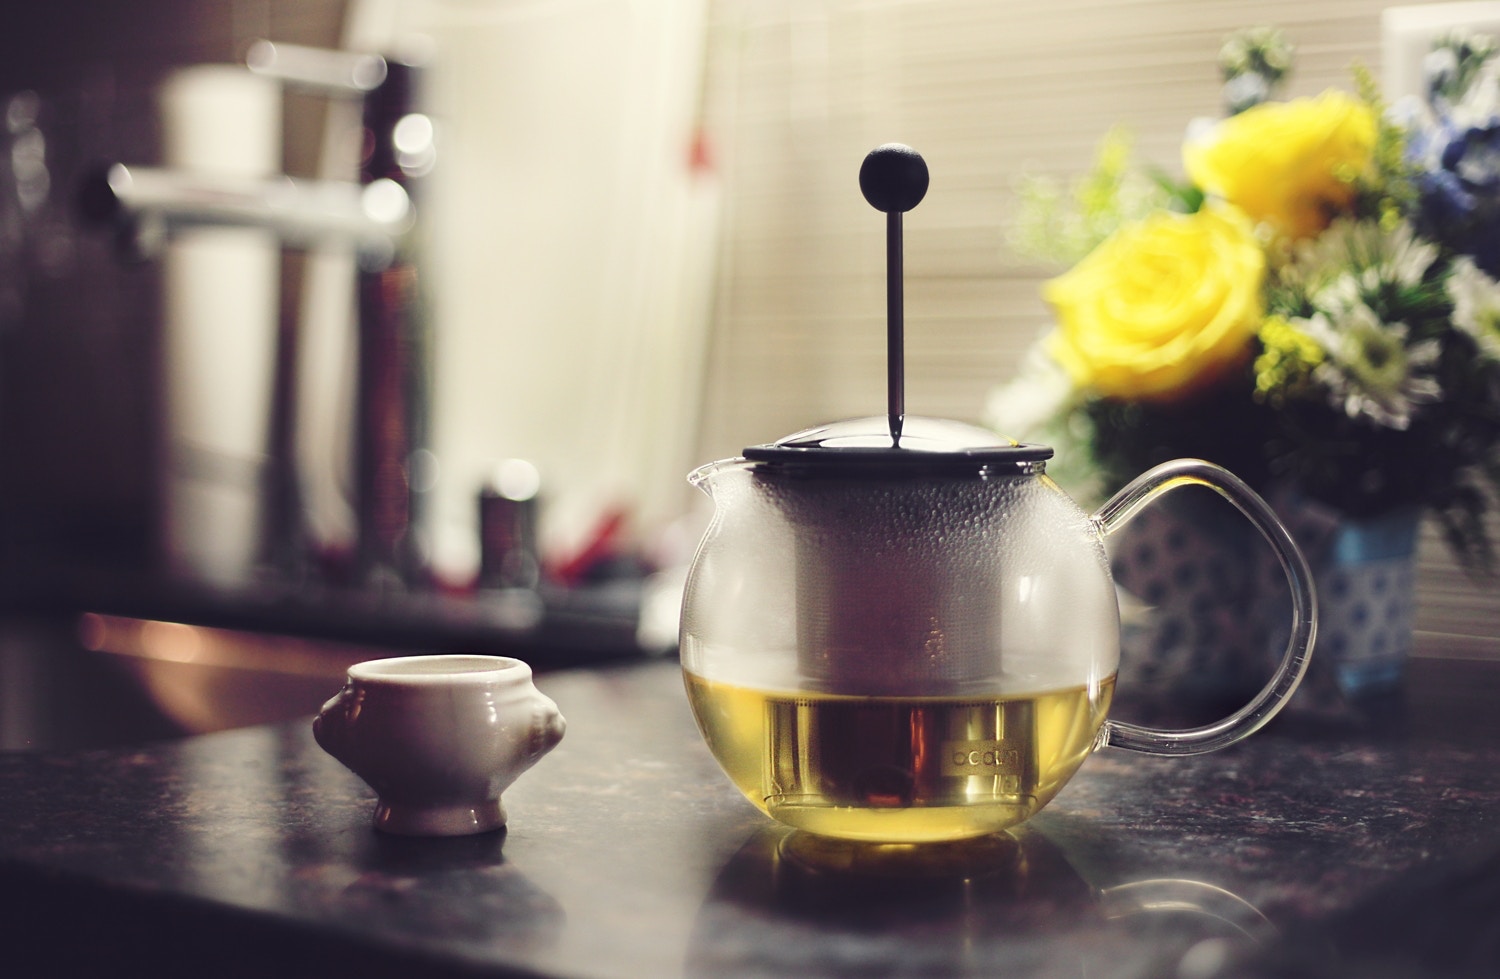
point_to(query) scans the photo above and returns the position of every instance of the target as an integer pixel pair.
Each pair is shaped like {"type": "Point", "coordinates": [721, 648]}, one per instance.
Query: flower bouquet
{"type": "Point", "coordinates": [1314, 305]}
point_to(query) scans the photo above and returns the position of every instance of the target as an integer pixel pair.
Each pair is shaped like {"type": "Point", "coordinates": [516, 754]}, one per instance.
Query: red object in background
{"type": "Point", "coordinates": [605, 544]}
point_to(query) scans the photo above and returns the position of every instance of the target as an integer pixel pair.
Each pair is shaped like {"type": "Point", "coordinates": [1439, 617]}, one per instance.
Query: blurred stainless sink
{"type": "Point", "coordinates": [120, 665]}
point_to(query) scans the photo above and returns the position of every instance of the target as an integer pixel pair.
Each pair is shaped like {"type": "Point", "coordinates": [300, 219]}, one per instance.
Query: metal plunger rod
{"type": "Point", "coordinates": [895, 327]}
{"type": "Point", "coordinates": [893, 179]}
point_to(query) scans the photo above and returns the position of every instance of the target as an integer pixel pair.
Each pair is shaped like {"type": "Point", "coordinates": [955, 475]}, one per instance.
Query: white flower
{"type": "Point", "coordinates": [1041, 393]}
{"type": "Point", "coordinates": [1480, 103]}
{"type": "Point", "coordinates": [1439, 66]}
{"type": "Point", "coordinates": [1412, 114]}
{"type": "Point", "coordinates": [1371, 371]}
{"type": "Point", "coordinates": [1041, 406]}
{"type": "Point", "coordinates": [1243, 91]}
{"type": "Point", "coordinates": [1396, 257]}
{"type": "Point", "coordinates": [1476, 305]}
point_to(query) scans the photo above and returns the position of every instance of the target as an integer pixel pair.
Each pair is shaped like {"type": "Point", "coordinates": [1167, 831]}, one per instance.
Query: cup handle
{"type": "Point", "coordinates": [1121, 509]}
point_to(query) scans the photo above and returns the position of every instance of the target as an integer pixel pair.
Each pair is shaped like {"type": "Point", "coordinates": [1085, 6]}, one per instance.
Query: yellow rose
{"type": "Point", "coordinates": [1290, 164]}
{"type": "Point", "coordinates": [1161, 307]}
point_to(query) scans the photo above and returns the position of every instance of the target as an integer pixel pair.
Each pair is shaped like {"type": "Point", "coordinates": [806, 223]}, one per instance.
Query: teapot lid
{"type": "Point", "coordinates": [894, 180]}
{"type": "Point", "coordinates": [925, 445]}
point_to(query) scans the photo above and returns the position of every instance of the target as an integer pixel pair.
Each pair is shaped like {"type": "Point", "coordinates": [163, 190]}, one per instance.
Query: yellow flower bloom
{"type": "Point", "coordinates": [1290, 164]}
{"type": "Point", "coordinates": [1287, 359]}
{"type": "Point", "coordinates": [1161, 307]}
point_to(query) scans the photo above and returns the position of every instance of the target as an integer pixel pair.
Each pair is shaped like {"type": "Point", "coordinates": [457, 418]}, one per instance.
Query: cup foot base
{"type": "Point", "coordinates": [404, 819]}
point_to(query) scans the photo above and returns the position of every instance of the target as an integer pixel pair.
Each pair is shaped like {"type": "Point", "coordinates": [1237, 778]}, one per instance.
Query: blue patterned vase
{"type": "Point", "coordinates": [1365, 572]}
{"type": "Point", "coordinates": [1205, 608]}
{"type": "Point", "coordinates": [1187, 573]}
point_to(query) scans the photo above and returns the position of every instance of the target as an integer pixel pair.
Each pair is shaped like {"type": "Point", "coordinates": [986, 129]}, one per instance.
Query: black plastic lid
{"type": "Point", "coordinates": [926, 445]}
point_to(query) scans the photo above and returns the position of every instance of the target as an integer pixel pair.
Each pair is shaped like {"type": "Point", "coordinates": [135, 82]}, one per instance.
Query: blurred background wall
{"type": "Point", "coordinates": [792, 96]}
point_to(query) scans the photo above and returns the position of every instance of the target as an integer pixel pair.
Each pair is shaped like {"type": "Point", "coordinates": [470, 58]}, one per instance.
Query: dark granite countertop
{"type": "Point", "coordinates": [1311, 849]}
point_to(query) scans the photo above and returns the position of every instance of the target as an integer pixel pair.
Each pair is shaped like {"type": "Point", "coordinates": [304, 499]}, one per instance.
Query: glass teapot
{"type": "Point", "coordinates": [902, 630]}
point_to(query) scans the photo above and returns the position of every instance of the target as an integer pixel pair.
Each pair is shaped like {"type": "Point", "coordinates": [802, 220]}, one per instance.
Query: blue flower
{"type": "Point", "coordinates": [1475, 157]}
{"type": "Point", "coordinates": [1459, 184]}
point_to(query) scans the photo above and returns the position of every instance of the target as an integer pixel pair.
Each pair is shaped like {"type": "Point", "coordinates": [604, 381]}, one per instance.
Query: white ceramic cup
{"type": "Point", "coordinates": [439, 737]}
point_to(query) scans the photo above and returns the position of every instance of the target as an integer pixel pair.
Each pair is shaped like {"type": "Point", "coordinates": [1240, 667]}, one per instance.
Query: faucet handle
{"type": "Point", "coordinates": [317, 69]}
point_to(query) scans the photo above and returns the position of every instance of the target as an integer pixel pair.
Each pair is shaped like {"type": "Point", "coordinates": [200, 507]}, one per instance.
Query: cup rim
{"type": "Point", "coordinates": [431, 669]}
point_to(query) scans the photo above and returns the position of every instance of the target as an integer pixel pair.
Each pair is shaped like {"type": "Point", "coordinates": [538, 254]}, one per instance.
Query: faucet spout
{"type": "Point", "coordinates": [146, 205]}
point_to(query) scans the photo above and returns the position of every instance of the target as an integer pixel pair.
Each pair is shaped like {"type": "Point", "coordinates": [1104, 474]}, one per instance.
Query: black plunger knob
{"type": "Point", "coordinates": [893, 178]}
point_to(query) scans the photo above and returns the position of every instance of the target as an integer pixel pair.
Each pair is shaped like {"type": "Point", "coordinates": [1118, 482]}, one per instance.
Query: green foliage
{"type": "Point", "coordinates": [1060, 223]}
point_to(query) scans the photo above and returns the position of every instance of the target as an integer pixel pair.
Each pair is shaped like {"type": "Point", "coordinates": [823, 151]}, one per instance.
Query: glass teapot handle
{"type": "Point", "coordinates": [1119, 511]}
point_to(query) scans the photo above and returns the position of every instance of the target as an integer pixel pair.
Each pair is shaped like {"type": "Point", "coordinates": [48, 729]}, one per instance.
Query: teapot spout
{"type": "Point", "coordinates": [705, 475]}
